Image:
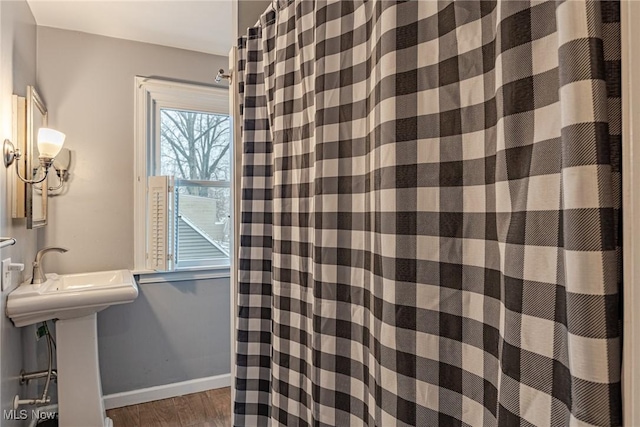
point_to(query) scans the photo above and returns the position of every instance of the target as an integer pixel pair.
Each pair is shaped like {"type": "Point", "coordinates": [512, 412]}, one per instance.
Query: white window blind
{"type": "Point", "coordinates": [160, 247]}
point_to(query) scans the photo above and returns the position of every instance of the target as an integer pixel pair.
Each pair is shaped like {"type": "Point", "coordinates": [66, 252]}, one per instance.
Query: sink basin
{"type": "Point", "coordinates": [68, 296]}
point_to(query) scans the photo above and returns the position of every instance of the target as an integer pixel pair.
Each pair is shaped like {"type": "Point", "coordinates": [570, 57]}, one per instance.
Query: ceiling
{"type": "Point", "coordinates": [203, 26]}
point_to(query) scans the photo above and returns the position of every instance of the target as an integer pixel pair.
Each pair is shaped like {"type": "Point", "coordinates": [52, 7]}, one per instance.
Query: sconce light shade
{"type": "Point", "coordinates": [50, 142]}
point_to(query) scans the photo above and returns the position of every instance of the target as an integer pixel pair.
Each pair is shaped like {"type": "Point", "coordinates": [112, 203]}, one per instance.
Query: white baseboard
{"type": "Point", "coordinates": [133, 397]}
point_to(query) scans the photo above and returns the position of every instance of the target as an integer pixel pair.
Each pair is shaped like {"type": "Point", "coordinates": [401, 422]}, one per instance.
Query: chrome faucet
{"type": "Point", "coordinates": [38, 275]}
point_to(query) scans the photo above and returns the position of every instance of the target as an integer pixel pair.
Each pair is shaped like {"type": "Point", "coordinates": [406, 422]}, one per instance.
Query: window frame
{"type": "Point", "coordinates": [152, 95]}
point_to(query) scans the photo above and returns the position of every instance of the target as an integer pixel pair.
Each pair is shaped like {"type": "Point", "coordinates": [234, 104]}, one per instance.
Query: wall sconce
{"type": "Point", "coordinates": [50, 143]}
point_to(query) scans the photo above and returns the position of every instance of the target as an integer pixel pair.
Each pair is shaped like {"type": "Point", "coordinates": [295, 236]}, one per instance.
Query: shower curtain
{"type": "Point", "coordinates": [430, 233]}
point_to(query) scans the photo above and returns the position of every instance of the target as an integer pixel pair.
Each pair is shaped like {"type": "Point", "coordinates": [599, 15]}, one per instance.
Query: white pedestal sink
{"type": "Point", "coordinates": [74, 299]}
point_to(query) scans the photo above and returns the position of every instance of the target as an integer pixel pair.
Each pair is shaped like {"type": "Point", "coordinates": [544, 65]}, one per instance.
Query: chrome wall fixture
{"type": "Point", "coordinates": [7, 241]}
{"type": "Point", "coordinates": [50, 143]}
{"type": "Point", "coordinates": [221, 75]}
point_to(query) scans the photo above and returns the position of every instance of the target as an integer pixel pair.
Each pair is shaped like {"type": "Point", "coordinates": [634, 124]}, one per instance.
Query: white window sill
{"type": "Point", "coordinates": [151, 276]}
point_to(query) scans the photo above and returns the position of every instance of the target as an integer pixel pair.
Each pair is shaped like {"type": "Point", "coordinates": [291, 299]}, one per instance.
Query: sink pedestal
{"type": "Point", "coordinates": [80, 402]}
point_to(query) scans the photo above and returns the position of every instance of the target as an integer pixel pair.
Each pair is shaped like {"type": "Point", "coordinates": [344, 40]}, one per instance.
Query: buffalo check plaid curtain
{"type": "Point", "coordinates": [431, 194]}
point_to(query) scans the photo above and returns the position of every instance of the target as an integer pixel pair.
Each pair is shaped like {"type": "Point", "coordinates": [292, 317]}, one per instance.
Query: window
{"type": "Point", "coordinates": [183, 176]}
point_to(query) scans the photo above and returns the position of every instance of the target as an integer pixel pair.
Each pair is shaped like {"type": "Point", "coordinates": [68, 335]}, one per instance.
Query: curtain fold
{"type": "Point", "coordinates": [430, 233]}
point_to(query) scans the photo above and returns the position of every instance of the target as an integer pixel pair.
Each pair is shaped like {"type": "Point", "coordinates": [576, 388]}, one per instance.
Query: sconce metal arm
{"type": "Point", "coordinates": [32, 181]}
{"type": "Point", "coordinates": [222, 75]}
{"type": "Point", "coordinates": [59, 186]}
{"type": "Point", "coordinates": [61, 180]}
{"type": "Point", "coordinates": [10, 153]}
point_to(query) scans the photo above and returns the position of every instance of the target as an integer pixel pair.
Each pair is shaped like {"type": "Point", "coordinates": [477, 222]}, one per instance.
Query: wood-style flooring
{"type": "Point", "coordinates": [211, 408]}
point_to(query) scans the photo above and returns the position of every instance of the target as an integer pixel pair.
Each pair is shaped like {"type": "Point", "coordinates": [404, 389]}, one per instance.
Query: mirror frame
{"type": "Point", "coordinates": [19, 136]}
{"type": "Point", "coordinates": [35, 105]}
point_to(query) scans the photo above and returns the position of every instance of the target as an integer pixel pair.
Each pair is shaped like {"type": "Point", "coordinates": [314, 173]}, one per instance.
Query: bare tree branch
{"type": "Point", "coordinates": [197, 143]}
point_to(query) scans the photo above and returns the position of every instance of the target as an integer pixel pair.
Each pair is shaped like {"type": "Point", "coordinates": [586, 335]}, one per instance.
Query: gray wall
{"type": "Point", "coordinates": [173, 332]}
{"type": "Point", "coordinates": [17, 70]}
